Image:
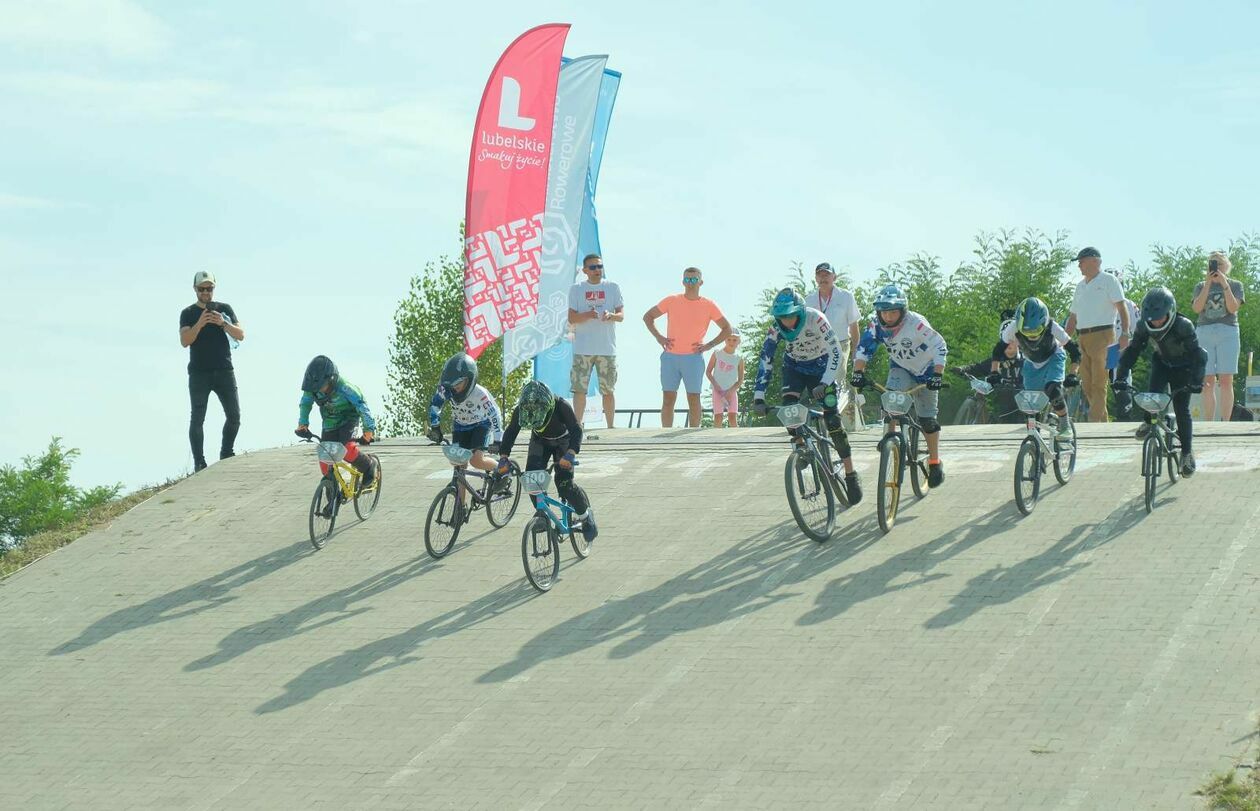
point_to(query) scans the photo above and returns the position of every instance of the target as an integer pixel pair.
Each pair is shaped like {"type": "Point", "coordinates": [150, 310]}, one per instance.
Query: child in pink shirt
{"type": "Point", "coordinates": [726, 375]}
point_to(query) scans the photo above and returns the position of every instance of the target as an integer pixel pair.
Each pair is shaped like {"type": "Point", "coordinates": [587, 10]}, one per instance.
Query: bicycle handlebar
{"type": "Point", "coordinates": [309, 436]}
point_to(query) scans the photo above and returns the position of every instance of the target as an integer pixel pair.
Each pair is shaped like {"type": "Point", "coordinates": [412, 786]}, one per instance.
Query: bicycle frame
{"type": "Point", "coordinates": [1156, 405]}
{"type": "Point", "coordinates": [459, 457]}
{"type": "Point", "coordinates": [536, 487]}
{"type": "Point", "coordinates": [797, 417]}
{"type": "Point", "coordinates": [332, 456]}
{"type": "Point", "coordinates": [1036, 408]}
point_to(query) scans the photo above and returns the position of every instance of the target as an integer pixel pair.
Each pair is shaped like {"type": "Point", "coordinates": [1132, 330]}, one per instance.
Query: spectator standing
{"type": "Point", "coordinates": [688, 315]}
{"type": "Point", "coordinates": [595, 307]}
{"type": "Point", "coordinates": [1216, 300]}
{"type": "Point", "coordinates": [204, 327]}
{"type": "Point", "coordinates": [726, 376]}
{"type": "Point", "coordinates": [1098, 299]}
{"type": "Point", "coordinates": [1124, 397]}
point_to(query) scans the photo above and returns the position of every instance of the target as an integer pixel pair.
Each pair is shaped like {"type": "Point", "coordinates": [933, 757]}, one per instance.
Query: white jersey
{"type": "Point", "coordinates": [478, 409]}
{"type": "Point", "coordinates": [915, 346]}
{"type": "Point", "coordinates": [814, 351]}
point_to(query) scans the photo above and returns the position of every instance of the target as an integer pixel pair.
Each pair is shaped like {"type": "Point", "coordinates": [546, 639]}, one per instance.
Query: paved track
{"type": "Point", "coordinates": [199, 654]}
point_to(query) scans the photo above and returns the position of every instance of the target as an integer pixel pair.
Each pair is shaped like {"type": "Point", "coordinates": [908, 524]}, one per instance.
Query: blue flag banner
{"type": "Point", "coordinates": [552, 366]}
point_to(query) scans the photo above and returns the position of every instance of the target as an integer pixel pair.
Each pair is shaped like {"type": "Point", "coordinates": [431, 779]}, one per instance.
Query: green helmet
{"type": "Point", "coordinates": [535, 406]}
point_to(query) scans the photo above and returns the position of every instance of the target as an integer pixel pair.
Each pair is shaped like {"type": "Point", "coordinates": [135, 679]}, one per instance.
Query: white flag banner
{"type": "Point", "coordinates": [576, 100]}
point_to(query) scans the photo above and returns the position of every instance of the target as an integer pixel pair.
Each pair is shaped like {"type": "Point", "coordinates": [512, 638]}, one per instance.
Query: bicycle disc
{"type": "Point", "coordinates": [501, 504]}
{"type": "Point", "coordinates": [1150, 468]}
{"type": "Point", "coordinates": [540, 553]}
{"type": "Point", "coordinates": [1027, 475]}
{"type": "Point", "coordinates": [443, 523]}
{"type": "Point", "coordinates": [918, 470]}
{"type": "Point", "coordinates": [323, 513]}
{"type": "Point", "coordinates": [889, 493]}
{"type": "Point", "coordinates": [809, 495]}
{"type": "Point", "coordinates": [365, 500]}
{"type": "Point", "coordinates": [1065, 457]}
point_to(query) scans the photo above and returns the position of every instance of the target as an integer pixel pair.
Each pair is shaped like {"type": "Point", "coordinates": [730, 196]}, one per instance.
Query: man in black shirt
{"type": "Point", "coordinates": [204, 328]}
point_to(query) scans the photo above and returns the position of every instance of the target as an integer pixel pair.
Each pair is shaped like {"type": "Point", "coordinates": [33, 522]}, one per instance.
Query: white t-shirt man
{"type": "Point", "coordinates": [595, 337]}
{"type": "Point", "coordinates": [840, 308]}
{"type": "Point", "coordinates": [1094, 301]}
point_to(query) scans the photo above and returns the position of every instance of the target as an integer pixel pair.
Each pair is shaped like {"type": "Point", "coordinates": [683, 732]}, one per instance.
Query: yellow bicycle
{"type": "Point", "coordinates": [339, 484]}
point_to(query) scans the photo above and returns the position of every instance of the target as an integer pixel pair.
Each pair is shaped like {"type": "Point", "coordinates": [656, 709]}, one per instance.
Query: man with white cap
{"type": "Point", "coordinates": [1098, 299]}
{"type": "Point", "coordinates": [204, 327]}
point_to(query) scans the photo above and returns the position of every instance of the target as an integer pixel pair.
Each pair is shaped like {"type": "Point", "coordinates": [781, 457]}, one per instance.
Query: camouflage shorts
{"type": "Point", "coordinates": [605, 365]}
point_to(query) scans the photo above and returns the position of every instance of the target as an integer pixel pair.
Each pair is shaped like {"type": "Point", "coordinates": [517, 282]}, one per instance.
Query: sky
{"type": "Point", "coordinates": [313, 156]}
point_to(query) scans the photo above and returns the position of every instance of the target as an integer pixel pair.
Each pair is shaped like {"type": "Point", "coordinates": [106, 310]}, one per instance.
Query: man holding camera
{"type": "Point", "coordinates": [204, 327]}
{"type": "Point", "coordinates": [1216, 300]}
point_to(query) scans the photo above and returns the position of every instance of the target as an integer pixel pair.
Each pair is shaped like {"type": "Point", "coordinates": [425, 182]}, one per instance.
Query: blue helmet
{"type": "Point", "coordinates": [1032, 318]}
{"type": "Point", "coordinates": [891, 297]}
{"type": "Point", "coordinates": [788, 303]}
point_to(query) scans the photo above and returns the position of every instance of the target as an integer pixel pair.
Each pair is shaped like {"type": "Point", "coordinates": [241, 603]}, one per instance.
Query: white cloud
{"type": "Point", "coordinates": [120, 28]}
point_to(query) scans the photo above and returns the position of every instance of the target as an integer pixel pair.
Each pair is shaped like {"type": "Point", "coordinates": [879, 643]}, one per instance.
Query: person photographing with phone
{"type": "Point", "coordinates": [1216, 301]}
{"type": "Point", "coordinates": [205, 327]}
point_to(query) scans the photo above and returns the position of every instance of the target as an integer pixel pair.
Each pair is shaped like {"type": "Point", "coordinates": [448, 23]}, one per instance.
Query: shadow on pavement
{"type": "Point", "coordinates": [845, 592]}
{"type": "Point", "coordinates": [394, 651]}
{"type": "Point", "coordinates": [322, 611]}
{"type": "Point", "coordinates": [184, 602]}
{"type": "Point", "coordinates": [1002, 585]}
{"type": "Point", "coordinates": [743, 579]}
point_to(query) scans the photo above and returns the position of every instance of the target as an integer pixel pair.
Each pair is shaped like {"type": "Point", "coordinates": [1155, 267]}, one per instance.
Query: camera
{"type": "Point", "coordinates": [212, 307]}
{"type": "Point", "coordinates": [1213, 265]}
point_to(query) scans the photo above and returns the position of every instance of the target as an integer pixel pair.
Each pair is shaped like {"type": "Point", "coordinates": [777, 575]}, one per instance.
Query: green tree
{"type": "Point", "coordinates": [428, 329]}
{"type": "Point", "coordinates": [39, 496]}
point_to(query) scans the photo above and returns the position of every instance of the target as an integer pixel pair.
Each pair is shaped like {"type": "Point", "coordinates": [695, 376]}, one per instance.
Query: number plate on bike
{"type": "Point", "coordinates": [981, 386]}
{"type": "Point", "coordinates": [331, 452]}
{"type": "Point", "coordinates": [535, 481]}
{"type": "Point", "coordinates": [1152, 401]}
{"type": "Point", "coordinates": [895, 402]}
{"type": "Point", "coordinates": [457, 455]}
{"type": "Point", "coordinates": [793, 416]}
{"type": "Point", "coordinates": [1031, 402]}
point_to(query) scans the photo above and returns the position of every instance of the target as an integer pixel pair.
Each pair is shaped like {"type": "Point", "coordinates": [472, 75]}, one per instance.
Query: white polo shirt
{"type": "Point", "coordinates": [1094, 301]}
{"type": "Point", "coordinates": [841, 311]}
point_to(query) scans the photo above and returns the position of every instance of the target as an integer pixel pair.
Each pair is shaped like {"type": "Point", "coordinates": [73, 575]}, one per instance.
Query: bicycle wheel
{"type": "Point", "coordinates": [968, 412]}
{"type": "Point", "coordinates": [809, 495]}
{"type": "Point", "coordinates": [889, 481]}
{"type": "Point", "coordinates": [442, 526]}
{"type": "Point", "coordinates": [501, 505]}
{"type": "Point", "coordinates": [540, 552]}
{"type": "Point", "coordinates": [365, 500]}
{"type": "Point", "coordinates": [1027, 475]}
{"type": "Point", "coordinates": [1174, 461]}
{"type": "Point", "coordinates": [1150, 468]}
{"type": "Point", "coordinates": [1065, 457]}
{"type": "Point", "coordinates": [918, 469]}
{"type": "Point", "coordinates": [323, 513]}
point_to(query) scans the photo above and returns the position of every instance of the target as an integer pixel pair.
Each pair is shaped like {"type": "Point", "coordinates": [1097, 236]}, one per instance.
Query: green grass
{"type": "Point", "coordinates": [40, 544]}
{"type": "Point", "coordinates": [1235, 790]}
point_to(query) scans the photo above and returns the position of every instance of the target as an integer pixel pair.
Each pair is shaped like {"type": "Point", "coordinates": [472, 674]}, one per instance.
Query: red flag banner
{"type": "Point", "coordinates": [507, 186]}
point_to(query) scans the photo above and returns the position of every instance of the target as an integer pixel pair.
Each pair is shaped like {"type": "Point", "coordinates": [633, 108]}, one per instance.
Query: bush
{"type": "Point", "coordinates": [39, 496]}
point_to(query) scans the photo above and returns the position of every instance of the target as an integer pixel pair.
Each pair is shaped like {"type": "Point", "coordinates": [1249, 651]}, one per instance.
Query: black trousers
{"type": "Point", "coordinates": [1163, 376]}
{"type": "Point", "coordinates": [540, 452]}
{"type": "Point", "coordinates": [223, 383]}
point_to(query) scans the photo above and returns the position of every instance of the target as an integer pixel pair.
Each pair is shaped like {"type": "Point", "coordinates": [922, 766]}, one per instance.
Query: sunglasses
{"type": "Point", "coordinates": [209, 289]}
{"type": "Point", "coordinates": [691, 280]}
{"type": "Point", "coordinates": [594, 267]}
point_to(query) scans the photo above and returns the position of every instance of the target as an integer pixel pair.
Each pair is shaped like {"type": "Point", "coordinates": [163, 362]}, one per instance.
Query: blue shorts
{"type": "Point", "coordinates": [685, 369]}
{"type": "Point", "coordinates": [1222, 344]}
{"type": "Point", "coordinates": [1113, 356]}
{"type": "Point", "coordinates": [1036, 379]}
{"type": "Point", "coordinates": [473, 439]}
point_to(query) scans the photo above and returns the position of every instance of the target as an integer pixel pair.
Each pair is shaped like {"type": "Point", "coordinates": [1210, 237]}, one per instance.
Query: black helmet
{"type": "Point", "coordinates": [460, 368]}
{"type": "Point", "coordinates": [319, 372]}
{"type": "Point", "coordinates": [1159, 303]}
{"type": "Point", "coordinates": [535, 406]}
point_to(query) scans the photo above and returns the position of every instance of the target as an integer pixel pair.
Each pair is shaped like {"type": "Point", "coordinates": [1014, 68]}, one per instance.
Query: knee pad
{"type": "Point", "coordinates": [930, 425]}
{"type": "Point", "coordinates": [841, 438]}
{"type": "Point", "coordinates": [1054, 390]}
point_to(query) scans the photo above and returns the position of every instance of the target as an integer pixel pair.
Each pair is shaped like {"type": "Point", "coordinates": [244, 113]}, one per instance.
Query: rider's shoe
{"type": "Point", "coordinates": [1187, 464]}
{"type": "Point", "coordinates": [369, 479]}
{"type": "Point", "coordinates": [589, 530]}
{"type": "Point", "coordinates": [1065, 430]}
{"type": "Point", "coordinates": [498, 483]}
{"type": "Point", "coordinates": [854, 487]}
{"type": "Point", "coordinates": [936, 474]}
{"type": "Point", "coordinates": [1142, 430]}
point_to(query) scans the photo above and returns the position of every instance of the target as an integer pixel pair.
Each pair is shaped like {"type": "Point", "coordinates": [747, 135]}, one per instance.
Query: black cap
{"type": "Point", "coordinates": [1087, 253]}
{"type": "Point", "coordinates": [824, 266]}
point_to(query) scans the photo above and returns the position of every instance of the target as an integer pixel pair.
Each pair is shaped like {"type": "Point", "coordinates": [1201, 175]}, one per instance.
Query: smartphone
{"type": "Point", "coordinates": [212, 307]}
{"type": "Point", "coordinates": [1213, 264]}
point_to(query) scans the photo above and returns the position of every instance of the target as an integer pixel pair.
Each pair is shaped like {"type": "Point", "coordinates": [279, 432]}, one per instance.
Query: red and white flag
{"type": "Point", "coordinates": [507, 186]}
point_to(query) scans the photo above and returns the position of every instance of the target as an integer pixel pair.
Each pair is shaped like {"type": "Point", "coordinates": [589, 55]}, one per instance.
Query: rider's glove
{"type": "Point", "coordinates": [303, 430]}
{"type": "Point", "coordinates": [935, 382]}
{"type": "Point", "coordinates": [435, 433]}
{"type": "Point", "coordinates": [369, 437]}
{"type": "Point", "coordinates": [568, 460]}
{"type": "Point", "coordinates": [1071, 381]}
{"type": "Point", "coordinates": [818, 392]}
{"type": "Point", "coordinates": [759, 406]}
{"type": "Point", "coordinates": [994, 378]}
{"type": "Point", "coordinates": [1195, 388]}
{"type": "Point", "coordinates": [504, 466]}
{"type": "Point", "coordinates": [858, 379]}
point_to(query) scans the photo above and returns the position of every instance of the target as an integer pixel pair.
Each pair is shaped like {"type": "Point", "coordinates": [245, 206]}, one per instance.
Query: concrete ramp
{"type": "Point", "coordinates": [199, 654]}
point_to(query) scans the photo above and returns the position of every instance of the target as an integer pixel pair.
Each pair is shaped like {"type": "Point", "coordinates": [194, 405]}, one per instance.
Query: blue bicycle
{"type": "Point", "coordinates": [540, 543]}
